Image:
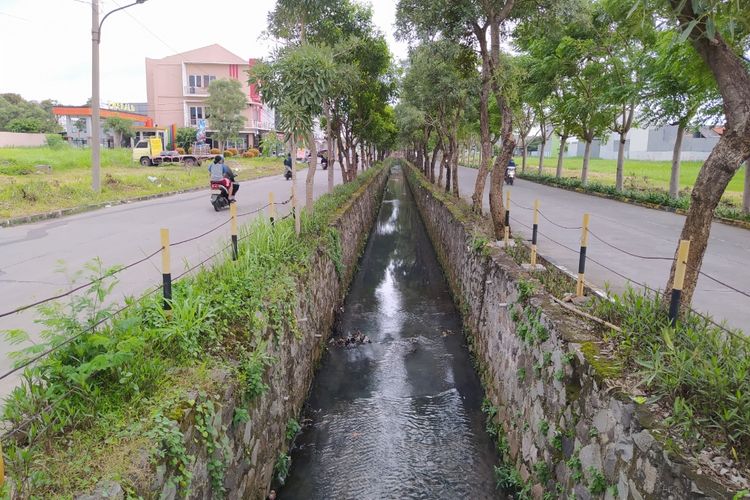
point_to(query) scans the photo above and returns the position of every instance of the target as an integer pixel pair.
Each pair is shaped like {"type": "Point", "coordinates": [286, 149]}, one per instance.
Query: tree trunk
{"type": "Point", "coordinates": [329, 146]}
{"type": "Point", "coordinates": [541, 153]}
{"type": "Point", "coordinates": [561, 156]}
{"type": "Point", "coordinates": [746, 191]}
{"type": "Point", "coordinates": [674, 176]}
{"type": "Point", "coordinates": [442, 164]}
{"type": "Point", "coordinates": [619, 178]}
{"type": "Point", "coordinates": [713, 179]}
{"type": "Point", "coordinates": [586, 156]}
{"type": "Point", "coordinates": [311, 167]}
{"type": "Point", "coordinates": [432, 163]}
{"type": "Point", "coordinates": [363, 155]}
{"type": "Point", "coordinates": [343, 160]}
{"type": "Point", "coordinates": [454, 168]}
{"type": "Point", "coordinates": [524, 154]}
{"type": "Point", "coordinates": [295, 201]}
{"type": "Point", "coordinates": [484, 126]}
{"type": "Point", "coordinates": [733, 81]}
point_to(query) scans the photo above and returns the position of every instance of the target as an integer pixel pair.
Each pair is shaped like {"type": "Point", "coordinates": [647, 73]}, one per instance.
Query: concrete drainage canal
{"type": "Point", "coordinates": [395, 409]}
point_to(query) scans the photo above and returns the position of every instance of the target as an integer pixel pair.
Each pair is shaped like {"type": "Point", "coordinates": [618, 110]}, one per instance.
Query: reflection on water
{"type": "Point", "coordinates": [400, 417]}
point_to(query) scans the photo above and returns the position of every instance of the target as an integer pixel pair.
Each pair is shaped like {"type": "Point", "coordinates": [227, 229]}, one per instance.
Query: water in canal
{"type": "Point", "coordinates": [398, 417]}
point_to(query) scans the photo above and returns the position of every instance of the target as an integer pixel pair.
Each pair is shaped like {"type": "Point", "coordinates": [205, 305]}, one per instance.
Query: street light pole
{"type": "Point", "coordinates": [96, 36]}
{"type": "Point", "coordinates": [95, 126]}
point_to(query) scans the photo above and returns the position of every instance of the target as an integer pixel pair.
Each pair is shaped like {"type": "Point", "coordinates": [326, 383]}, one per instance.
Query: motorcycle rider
{"type": "Point", "coordinates": [288, 166]}
{"type": "Point", "coordinates": [222, 174]}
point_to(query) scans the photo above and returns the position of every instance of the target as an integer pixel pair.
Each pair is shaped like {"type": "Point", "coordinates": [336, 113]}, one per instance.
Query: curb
{"type": "Point", "coordinates": [730, 222]}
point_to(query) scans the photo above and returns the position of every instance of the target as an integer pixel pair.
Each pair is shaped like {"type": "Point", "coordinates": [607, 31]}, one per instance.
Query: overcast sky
{"type": "Point", "coordinates": [46, 44]}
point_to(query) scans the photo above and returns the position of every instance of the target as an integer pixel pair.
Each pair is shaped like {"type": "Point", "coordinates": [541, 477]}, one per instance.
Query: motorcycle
{"type": "Point", "coordinates": [220, 194]}
{"type": "Point", "coordinates": [510, 173]}
{"type": "Point", "coordinates": [287, 172]}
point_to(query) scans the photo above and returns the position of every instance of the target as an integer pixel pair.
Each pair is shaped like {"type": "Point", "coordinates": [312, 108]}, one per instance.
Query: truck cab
{"type": "Point", "coordinates": [146, 149]}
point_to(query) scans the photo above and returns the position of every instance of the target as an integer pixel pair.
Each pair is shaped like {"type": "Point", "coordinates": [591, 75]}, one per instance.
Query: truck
{"type": "Point", "coordinates": [150, 152]}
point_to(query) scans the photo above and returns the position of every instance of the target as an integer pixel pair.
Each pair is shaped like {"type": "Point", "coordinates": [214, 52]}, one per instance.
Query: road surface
{"type": "Point", "coordinates": [639, 230]}
{"type": "Point", "coordinates": [118, 235]}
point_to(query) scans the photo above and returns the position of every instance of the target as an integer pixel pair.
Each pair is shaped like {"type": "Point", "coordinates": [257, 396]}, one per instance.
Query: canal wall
{"type": "Point", "coordinates": [249, 439]}
{"type": "Point", "coordinates": [564, 428]}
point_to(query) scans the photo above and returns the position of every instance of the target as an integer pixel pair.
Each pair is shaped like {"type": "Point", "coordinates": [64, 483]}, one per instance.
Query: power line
{"type": "Point", "coordinates": [146, 28]}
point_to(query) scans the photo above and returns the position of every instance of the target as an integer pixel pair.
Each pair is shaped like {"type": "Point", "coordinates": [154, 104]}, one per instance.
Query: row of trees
{"type": "Point", "coordinates": [19, 115]}
{"type": "Point", "coordinates": [577, 68]}
{"type": "Point", "coordinates": [333, 66]}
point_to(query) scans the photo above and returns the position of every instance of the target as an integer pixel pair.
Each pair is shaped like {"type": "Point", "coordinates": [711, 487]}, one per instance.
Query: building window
{"type": "Point", "coordinates": [199, 81]}
{"type": "Point", "coordinates": [197, 113]}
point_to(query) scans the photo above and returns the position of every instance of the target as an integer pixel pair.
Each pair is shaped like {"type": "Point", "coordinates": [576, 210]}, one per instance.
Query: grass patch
{"type": "Point", "coordinates": [728, 208]}
{"type": "Point", "coordinates": [85, 412]}
{"type": "Point", "coordinates": [698, 370]}
{"type": "Point", "coordinates": [25, 192]}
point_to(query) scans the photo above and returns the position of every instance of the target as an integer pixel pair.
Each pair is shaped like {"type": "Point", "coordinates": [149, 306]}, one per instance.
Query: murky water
{"type": "Point", "coordinates": [399, 417]}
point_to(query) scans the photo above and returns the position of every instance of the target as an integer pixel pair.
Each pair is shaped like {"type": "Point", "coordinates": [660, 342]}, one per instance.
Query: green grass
{"type": "Point", "coordinates": [639, 174]}
{"type": "Point", "coordinates": [91, 408]}
{"type": "Point", "coordinates": [25, 192]}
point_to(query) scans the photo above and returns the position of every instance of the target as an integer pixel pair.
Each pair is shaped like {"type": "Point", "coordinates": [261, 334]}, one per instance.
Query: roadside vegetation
{"type": "Point", "coordinates": [641, 190]}
{"type": "Point", "coordinates": [88, 410]}
{"type": "Point", "coordinates": [25, 191]}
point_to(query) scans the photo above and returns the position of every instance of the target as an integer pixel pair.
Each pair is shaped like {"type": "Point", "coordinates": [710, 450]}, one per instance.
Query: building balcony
{"type": "Point", "coordinates": [197, 91]}
{"type": "Point", "coordinates": [250, 125]}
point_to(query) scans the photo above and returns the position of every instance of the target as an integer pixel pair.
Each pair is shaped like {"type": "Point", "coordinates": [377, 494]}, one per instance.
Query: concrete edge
{"type": "Point", "coordinates": [730, 222]}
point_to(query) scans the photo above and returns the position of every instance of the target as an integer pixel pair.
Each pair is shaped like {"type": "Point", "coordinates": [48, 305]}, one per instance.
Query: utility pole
{"type": "Point", "coordinates": [96, 36]}
{"type": "Point", "coordinates": [95, 119]}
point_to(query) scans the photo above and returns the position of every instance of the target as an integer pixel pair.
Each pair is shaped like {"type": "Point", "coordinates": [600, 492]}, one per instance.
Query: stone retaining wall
{"type": "Point", "coordinates": [250, 449]}
{"type": "Point", "coordinates": [567, 431]}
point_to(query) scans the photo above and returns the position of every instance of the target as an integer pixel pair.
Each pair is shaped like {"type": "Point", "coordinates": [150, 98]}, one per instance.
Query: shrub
{"type": "Point", "coordinates": [215, 151]}
{"type": "Point", "coordinates": [232, 150]}
{"type": "Point", "coordinates": [228, 153]}
{"type": "Point", "coordinates": [247, 154]}
{"type": "Point", "coordinates": [180, 151]}
{"type": "Point", "coordinates": [55, 141]}
{"type": "Point", "coordinates": [253, 152]}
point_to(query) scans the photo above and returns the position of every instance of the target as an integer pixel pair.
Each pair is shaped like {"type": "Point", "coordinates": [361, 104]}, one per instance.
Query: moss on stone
{"type": "Point", "coordinates": [604, 367]}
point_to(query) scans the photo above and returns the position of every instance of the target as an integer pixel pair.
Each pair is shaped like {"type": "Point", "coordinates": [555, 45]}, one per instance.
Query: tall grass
{"type": "Point", "coordinates": [701, 371]}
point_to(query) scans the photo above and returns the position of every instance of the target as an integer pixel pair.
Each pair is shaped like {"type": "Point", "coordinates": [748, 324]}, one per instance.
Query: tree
{"type": "Point", "coordinates": [719, 33]}
{"type": "Point", "coordinates": [472, 21]}
{"type": "Point", "coordinates": [80, 125]}
{"type": "Point", "coordinates": [270, 143]}
{"type": "Point", "coordinates": [120, 127]}
{"type": "Point", "coordinates": [680, 90]}
{"type": "Point", "coordinates": [295, 83]}
{"type": "Point", "coordinates": [20, 115]}
{"type": "Point", "coordinates": [185, 137]}
{"type": "Point", "coordinates": [627, 43]}
{"type": "Point", "coordinates": [225, 103]}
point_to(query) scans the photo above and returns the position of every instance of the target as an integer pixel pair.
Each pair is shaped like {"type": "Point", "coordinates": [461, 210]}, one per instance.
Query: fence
{"type": "Point", "coordinates": [583, 257]}
{"type": "Point", "coordinates": [165, 287]}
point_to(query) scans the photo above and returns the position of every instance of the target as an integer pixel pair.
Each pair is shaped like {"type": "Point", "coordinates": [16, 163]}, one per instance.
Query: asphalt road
{"type": "Point", "coordinates": [30, 254]}
{"type": "Point", "coordinates": [639, 230]}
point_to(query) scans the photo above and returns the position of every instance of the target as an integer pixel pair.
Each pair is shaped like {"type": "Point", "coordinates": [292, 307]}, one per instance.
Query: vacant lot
{"type": "Point", "coordinates": [638, 174]}
{"type": "Point", "coordinates": [24, 191]}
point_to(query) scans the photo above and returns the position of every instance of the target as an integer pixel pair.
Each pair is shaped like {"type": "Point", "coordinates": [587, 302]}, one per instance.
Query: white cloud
{"type": "Point", "coordinates": [47, 43]}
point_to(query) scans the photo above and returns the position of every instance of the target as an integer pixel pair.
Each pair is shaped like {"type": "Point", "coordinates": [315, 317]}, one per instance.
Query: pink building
{"type": "Point", "coordinates": [177, 88]}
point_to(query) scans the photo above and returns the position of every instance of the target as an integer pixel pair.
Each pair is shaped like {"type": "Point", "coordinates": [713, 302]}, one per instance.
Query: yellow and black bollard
{"type": "Point", "coordinates": [679, 280]}
{"type": "Point", "coordinates": [166, 271]}
{"type": "Point", "coordinates": [534, 230]}
{"type": "Point", "coordinates": [582, 256]}
{"type": "Point", "coordinates": [233, 224]}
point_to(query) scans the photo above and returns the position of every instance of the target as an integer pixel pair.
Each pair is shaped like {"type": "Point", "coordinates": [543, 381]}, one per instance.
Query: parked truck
{"type": "Point", "coordinates": [150, 152]}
